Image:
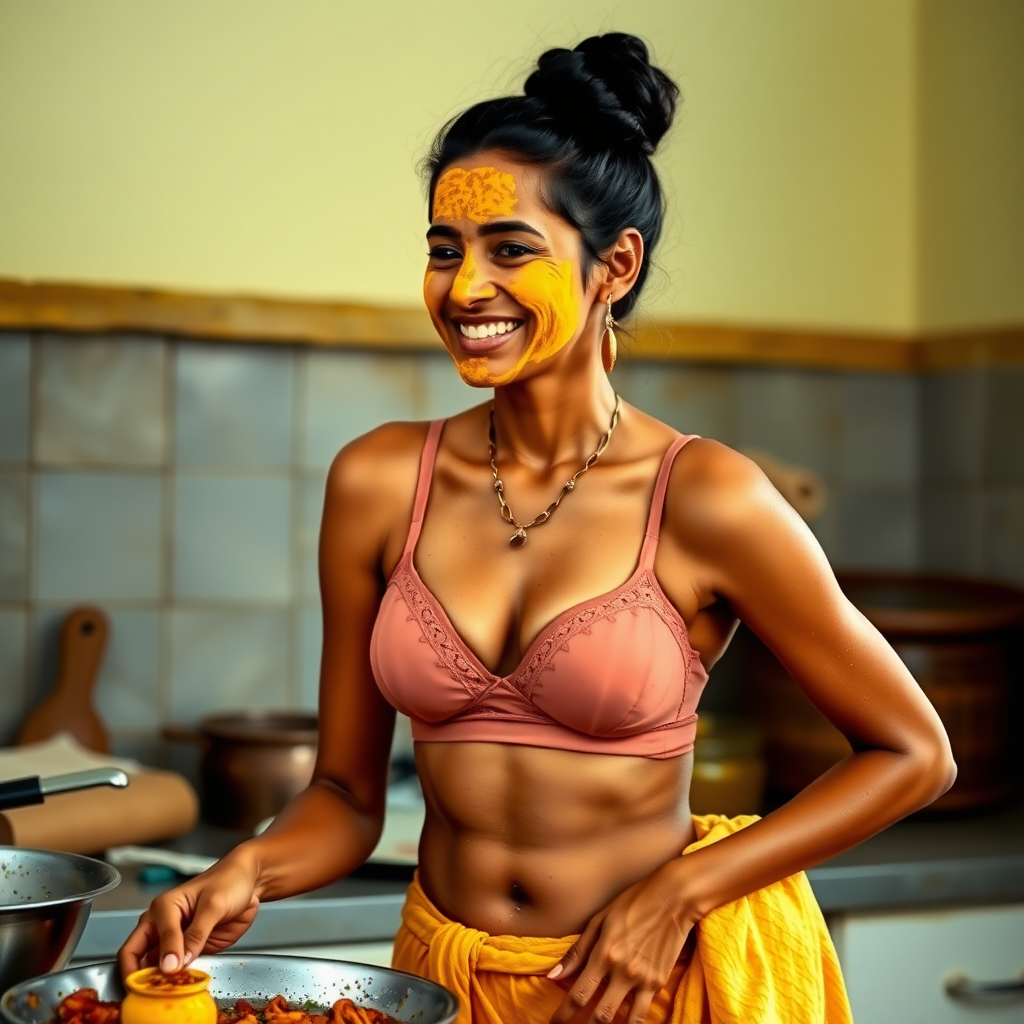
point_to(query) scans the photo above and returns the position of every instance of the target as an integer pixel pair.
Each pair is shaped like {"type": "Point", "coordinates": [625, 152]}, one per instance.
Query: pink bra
{"type": "Point", "coordinates": [613, 675]}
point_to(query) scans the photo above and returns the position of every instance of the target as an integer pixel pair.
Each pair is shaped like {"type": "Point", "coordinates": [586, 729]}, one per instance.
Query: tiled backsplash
{"type": "Point", "coordinates": [178, 484]}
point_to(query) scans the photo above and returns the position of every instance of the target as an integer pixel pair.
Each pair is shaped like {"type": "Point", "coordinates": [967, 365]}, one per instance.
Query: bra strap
{"type": "Point", "coordinates": [648, 551]}
{"type": "Point", "coordinates": [419, 505]}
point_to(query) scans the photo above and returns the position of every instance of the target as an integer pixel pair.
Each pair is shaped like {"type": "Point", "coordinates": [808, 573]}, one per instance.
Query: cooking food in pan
{"type": "Point", "coordinates": [85, 1007]}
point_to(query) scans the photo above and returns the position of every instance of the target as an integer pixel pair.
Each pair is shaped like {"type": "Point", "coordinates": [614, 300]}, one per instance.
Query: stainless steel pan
{"type": "Point", "coordinates": [299, 979]}
{"type": "Point", "coordinates": [45, 899]}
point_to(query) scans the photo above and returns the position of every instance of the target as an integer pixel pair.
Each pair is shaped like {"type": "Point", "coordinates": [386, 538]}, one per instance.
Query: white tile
{"type": "Point", "coordinates": [13, 535]}
{"type": "Point", "coordinates": [15, 395]}
{"type": "Point", "coordinates": [878, 528]}
{"type": "Point", "coordinates": [1004, 533]}
{"type": "Point", "coordinates": [232, 538]}
{"type": "Point", "coordinates": [310, 633]}
{"type": "Point", "coordinates": [233, 405]}
{"type": "Point", "coordinates": [1004, 426]}
{"type": "Point", "coordinates": [100, 401]}
{"type": "Point", "coordinates": [951, 524]}
{"type": "Point", "coordinates": [794, 415]}
{"type": "Point", "coordinates": [693, 399]}
{"type": "Point", "coordinates": [228, 660]}
{"type": "Point", "coordinates": [126, 689]}
{"type": "Point", "coordinates": [98, 536]}
{"type": "Point", "coordinates": [350, 393]}
{"type": "Point", "coordinates": [13, 686]}
{"type": "Point", "coordinates": [880, 429]}
{"type": "Point", "coordinates": [952, 426]}
{"type": "Point", "coordinates": [311, 505]}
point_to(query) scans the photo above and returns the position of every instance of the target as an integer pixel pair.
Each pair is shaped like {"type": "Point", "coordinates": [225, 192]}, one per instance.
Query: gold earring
{"type": "Point", "coordinates": [609, 346]}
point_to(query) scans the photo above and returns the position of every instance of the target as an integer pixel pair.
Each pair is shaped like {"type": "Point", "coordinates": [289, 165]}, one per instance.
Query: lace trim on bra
{"type": "Point", "coordinates": [641, 592]}
{"type": "Point", "coordinates": [434, 631]}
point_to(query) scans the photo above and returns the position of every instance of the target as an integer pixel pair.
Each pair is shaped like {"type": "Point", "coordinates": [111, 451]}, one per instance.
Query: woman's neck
{"type": "Point", "coordinates": [553, 418]}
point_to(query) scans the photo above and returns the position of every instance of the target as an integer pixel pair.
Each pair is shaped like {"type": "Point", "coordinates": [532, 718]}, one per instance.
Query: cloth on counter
{"type": "Point", "coordinates": [763, 959]}
{"type": "Point", "coordinates": [56, 756]}
{"type": "Point", "coordinates": [156, 805]}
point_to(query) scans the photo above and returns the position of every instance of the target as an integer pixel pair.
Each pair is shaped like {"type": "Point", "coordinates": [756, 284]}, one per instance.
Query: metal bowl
{"type": "Point", "coordinates": [45, 899]}
{"type": "Point", "coordinates": [299, 979]}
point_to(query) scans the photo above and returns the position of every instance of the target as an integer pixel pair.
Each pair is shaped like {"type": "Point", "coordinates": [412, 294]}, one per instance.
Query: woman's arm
{"type": "Point", "coordinates": [754, 553]}
{"type": "Point", "coordinates": [332, 826]}
{"type": "Point", "coordinates": [746, 547]}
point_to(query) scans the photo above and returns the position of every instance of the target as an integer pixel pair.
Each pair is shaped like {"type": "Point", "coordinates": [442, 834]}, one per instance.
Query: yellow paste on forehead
{"type": "Point", "coordinates": [479, 194]}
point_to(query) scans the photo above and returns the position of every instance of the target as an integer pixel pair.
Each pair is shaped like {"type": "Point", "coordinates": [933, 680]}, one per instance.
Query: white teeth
{"type": "Point", "coordinates": [487, 330]}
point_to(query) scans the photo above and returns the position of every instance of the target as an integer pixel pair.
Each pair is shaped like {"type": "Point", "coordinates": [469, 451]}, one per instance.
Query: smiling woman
{"type": "Point", "coordinates": [553, 686]}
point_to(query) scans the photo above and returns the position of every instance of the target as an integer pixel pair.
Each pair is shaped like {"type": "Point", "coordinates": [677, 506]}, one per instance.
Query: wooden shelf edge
{"type": "Point", "coordinates": [79, 308]}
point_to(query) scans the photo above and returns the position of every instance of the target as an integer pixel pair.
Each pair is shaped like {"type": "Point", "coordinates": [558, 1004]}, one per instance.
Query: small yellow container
{"type": "Point", "coordinates": [157, 998]}
{"type": "Point", "coordinates": [728, 769]}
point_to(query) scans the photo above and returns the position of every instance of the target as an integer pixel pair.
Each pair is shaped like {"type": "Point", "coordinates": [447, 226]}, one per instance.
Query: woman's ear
{"type": "Point", "coordinates": [622, 263]}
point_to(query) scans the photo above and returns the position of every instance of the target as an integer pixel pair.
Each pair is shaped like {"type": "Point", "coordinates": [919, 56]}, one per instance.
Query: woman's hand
{"type": "Point", "coordinates": [631, 947]}
{"type": "Point", "coordinates": [204, 915]}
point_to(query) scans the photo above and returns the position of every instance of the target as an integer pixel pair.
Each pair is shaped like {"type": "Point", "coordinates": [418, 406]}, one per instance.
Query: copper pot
{"type": "Point", "coordinates": [960, 638]}
{"type": "Point", "coordinates": [253, 762]}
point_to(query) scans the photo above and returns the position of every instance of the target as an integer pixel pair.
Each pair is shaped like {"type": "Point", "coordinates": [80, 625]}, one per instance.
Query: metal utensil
{"type": "Point", "coordinates": [298, 979]}
{"type": "Point", "coordinates": [33, 789]}
{"type": "Point", "coordinates": [45, 899]}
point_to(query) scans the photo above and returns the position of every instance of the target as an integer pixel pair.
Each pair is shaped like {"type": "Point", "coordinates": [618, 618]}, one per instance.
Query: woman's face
{"type": "Point", "coordinates": [503, 282]}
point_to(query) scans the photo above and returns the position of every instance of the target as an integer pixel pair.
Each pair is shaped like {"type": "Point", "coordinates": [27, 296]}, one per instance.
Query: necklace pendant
{"type": "Point", "coordinates": [518, 539]}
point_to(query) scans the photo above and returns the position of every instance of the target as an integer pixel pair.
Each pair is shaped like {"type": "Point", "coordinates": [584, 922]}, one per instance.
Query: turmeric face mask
{"type": "Point", "coordinates": [543, 287]}
{"type": "Point", "coordinates": [480, 194]}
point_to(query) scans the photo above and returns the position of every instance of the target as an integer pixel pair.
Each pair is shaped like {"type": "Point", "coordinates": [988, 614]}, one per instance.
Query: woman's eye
{"type": "Point", "coordinates": [444, 253]}
{"type": "Point", "coordinates": [513, 250]}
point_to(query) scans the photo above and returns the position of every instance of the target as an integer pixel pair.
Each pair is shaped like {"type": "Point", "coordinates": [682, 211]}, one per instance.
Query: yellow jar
{"type": "Point", "coordinates": [728, 769]}
{"type": "Point", "coordinates": [157, 998]}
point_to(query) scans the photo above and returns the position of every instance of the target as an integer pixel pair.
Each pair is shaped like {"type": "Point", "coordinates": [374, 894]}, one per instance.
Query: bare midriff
{"type": "Point", "coordinates": [530, 841]}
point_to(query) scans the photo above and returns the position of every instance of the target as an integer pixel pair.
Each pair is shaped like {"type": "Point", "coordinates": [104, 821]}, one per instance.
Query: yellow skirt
{"type": "Point", "coordinates": [763, 959]}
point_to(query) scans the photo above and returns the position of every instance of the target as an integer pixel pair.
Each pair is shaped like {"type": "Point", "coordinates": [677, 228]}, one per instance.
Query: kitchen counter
{"type": "Point", "coordinates": [917, 863]}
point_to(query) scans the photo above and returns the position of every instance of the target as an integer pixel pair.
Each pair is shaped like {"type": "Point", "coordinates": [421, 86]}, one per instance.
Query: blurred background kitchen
{"type": "Point", "coordinates": [211, 255]}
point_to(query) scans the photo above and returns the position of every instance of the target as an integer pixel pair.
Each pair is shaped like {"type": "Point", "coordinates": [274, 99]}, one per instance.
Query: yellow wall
{"type": "Point", "coordinates": [972, 163]}
{"type": "Point", "coordinates": [270, 147]}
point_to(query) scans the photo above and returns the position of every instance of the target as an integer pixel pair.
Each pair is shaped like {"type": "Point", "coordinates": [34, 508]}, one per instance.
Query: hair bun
{"type": "Point", "coordinates": [606, 93]}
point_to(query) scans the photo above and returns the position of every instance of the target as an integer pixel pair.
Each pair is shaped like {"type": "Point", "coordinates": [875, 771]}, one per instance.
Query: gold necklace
{"type": "Point", "coordinates": [518, 539]}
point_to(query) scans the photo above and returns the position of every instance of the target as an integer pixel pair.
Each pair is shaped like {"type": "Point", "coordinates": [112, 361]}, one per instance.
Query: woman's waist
{"type": "Point", "coordinates": [504, 887]}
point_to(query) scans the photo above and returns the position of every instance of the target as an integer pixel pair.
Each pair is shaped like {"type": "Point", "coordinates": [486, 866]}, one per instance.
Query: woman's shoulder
{"type": "Point", "coordinates": [375, 474]}
{"type": "Point", "coordinates": [715, 492]}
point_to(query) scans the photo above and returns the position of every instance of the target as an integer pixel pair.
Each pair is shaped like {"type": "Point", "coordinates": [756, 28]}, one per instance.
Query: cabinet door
{"type": "Point", "coordinates": [896, 965]}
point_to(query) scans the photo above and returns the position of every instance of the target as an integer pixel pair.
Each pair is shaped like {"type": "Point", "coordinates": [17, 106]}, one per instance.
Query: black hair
{"type": "Point", "coordinates": [592, 116]}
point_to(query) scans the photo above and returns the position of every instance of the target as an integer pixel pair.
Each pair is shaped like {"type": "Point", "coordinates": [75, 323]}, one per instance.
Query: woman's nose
{"type": "Point", "coordinates": [471, 284]}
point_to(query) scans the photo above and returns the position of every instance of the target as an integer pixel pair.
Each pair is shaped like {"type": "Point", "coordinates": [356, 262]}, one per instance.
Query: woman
{"type": "Point", "coordinates": [553, 705]}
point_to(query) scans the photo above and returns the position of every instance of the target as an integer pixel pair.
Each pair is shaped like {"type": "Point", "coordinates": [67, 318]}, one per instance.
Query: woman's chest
{"type": "Point", "coordinates": [500, 598]}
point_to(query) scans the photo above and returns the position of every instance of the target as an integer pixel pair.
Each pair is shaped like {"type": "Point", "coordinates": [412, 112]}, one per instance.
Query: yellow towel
{"type": "Point", "coordinates": [762, 959]}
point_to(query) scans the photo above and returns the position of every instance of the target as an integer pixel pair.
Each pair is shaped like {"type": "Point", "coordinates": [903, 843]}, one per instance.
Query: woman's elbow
{"type": "Point", "coordinates": [937, 771]}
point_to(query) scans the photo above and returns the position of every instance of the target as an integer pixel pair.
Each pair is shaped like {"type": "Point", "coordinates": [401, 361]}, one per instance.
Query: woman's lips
{"type": "Point", "coordinates": [488, 342]}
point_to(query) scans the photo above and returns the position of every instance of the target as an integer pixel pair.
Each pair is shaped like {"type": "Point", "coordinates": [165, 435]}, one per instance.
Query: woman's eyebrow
{"type": "Point", "coordinates": [444, 231]}
{"type": "Point", "coordinates": [499, 227]}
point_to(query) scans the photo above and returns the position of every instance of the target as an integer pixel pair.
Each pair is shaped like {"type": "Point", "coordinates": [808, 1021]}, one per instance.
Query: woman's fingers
{"type": "Point", "coordinates": [132, 955]}
{"type": "Point", "coordinates": [610, 1000]}
{"type": "Point", "coordinates": [641, 1004]}
{"type": "Point", "coordinates": [209, 928]}
{"type": "Point", "coordinates": [578, 951]}
{"type": "Point", "coordinates": [582, 992]}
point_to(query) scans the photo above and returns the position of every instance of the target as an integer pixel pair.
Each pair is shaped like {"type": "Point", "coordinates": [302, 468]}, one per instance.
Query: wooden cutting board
{"type": "Point", "coordinates": [69, 708]}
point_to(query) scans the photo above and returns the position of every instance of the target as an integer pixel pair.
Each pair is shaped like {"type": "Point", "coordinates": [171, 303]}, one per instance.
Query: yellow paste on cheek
{"type": "Point", "coordinates": [545, 289]}
{"type": "Point", "coordinates": [479, 194]}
